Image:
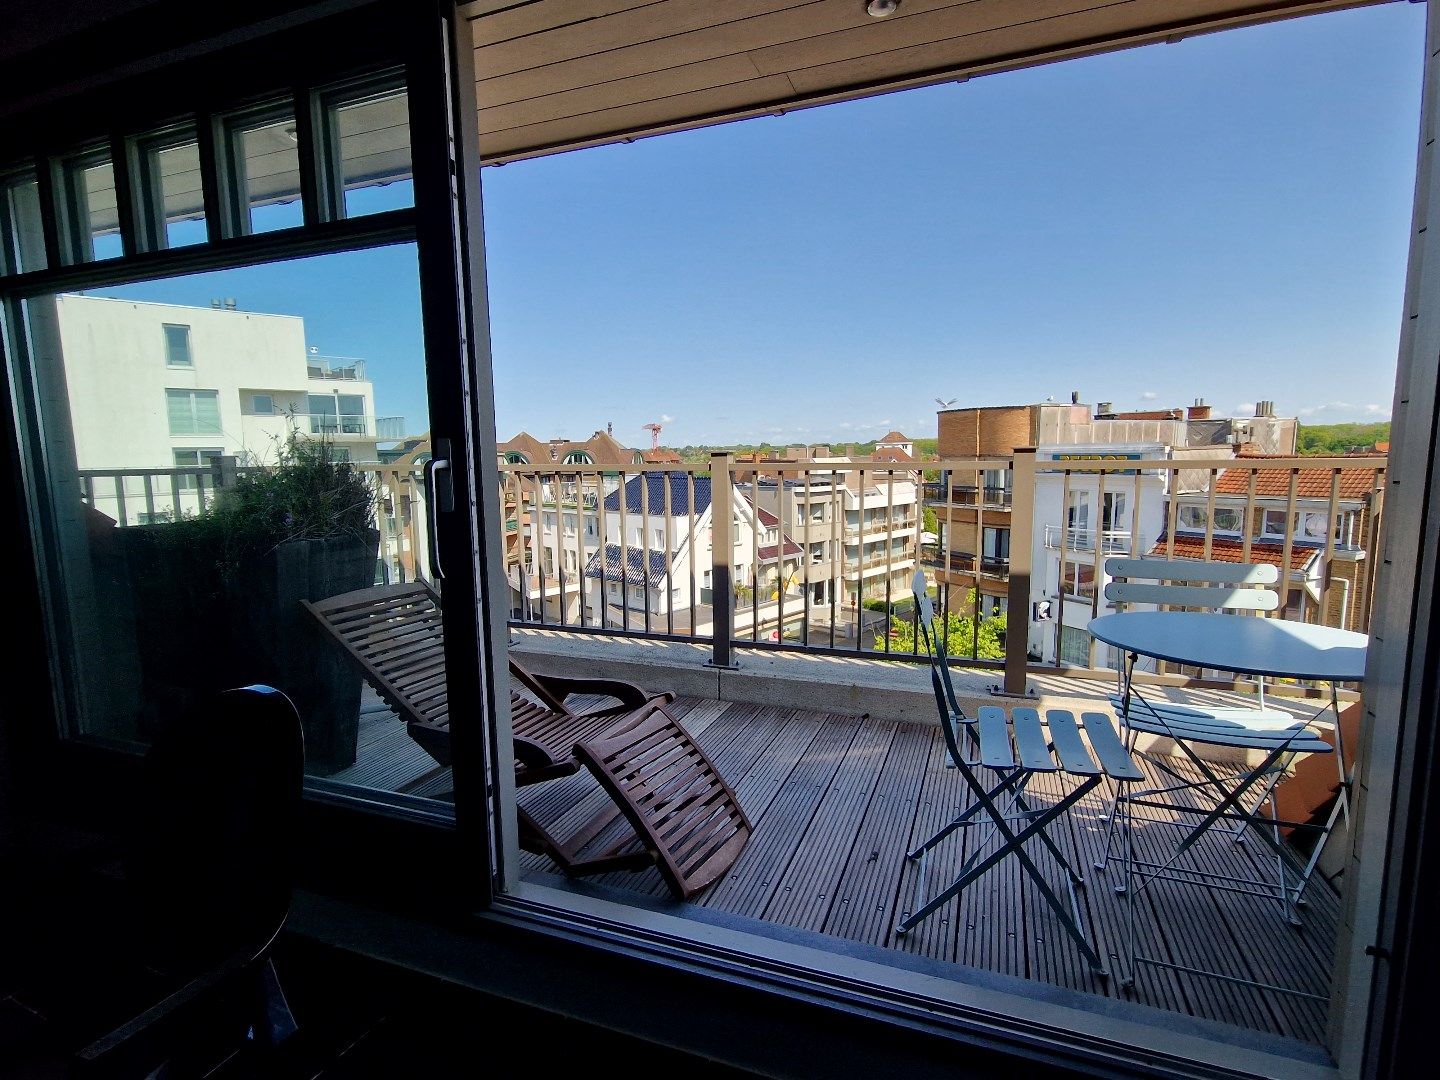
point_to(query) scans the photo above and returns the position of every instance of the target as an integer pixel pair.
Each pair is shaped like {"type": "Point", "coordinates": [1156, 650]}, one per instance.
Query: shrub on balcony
{"type": "Point", "coordinates": [217, 597]}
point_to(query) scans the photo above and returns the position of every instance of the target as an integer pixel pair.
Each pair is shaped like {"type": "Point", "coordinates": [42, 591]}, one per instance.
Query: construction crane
{"type": "Point", "coordinates": [654, 430]}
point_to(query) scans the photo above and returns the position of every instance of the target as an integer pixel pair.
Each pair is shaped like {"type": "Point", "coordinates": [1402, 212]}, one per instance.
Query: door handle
{"type": "Point", "coordinates": [439, 498]}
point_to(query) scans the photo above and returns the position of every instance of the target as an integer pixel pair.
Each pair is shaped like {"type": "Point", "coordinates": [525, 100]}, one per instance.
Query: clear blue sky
{"type": "Point", "coordinates": [1224, 218]}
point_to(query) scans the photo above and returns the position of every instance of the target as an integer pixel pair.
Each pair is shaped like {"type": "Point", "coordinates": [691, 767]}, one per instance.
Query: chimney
{"type": "Point", "coordinates": [1198, 411]}
{"type": "Point", "coordinates": [849, 450]}
{"type": "Point", "coordinates": [1265, 408]}
{"type": "Point", "coordinates": [1104, 409]}
{"type": "Point", "coordinates": [610, 427]}
{"type": "Point", "coordinates": [1074, 397]}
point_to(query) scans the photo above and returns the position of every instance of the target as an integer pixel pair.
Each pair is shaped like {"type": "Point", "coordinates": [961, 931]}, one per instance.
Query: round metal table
{"type": "Point", "coordinates": [1242, 643]}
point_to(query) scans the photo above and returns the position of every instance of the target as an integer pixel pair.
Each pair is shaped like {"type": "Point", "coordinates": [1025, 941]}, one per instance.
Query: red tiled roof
{"type": "Point", "coordinates": [768, 552]}
{"type": "Point", "coordinates": [894, 437]}
{"type": "Point", "coordinates": [1232, 551]}
{"type": "Point", "coordinates": [1309, 483]}
{"type": "Point", "coordinates": [890, 453]}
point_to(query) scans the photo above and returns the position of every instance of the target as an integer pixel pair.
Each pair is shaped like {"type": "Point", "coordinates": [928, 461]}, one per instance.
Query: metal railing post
{"type": "Point", "coordinates": [722, 561]}
{"type": "Point", "coordinates": [222, 470]}
{"type": "Point", "coordinates": [1017, 615]}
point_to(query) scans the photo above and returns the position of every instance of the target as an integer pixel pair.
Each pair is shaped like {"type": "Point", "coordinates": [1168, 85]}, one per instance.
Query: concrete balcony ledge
{"type": "Point", "coordinates": [893, 689]}
{"type": "Point", "coordinates": [890, 689]}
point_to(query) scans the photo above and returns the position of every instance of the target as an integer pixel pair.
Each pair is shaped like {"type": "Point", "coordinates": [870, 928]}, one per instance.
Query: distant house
{"type": "Point", "coordinates": [649, 561]}
{"type": "Point", "coordinates": [1294, 540]}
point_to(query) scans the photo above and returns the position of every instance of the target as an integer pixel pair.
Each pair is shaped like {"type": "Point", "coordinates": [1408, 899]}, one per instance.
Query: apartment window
{"type": "Point", "coordinates": [1313, 526]}
{"type": "Point", "coordinates": [1226, 518]}
{"type": "Point", "coordinates": [1079, 579]}
{"type": "Point", "coordinates": [659, 536]}
{"type": "Point", "coordinates": [368, 132]}
{"type": "Point", "coordinates": [263, 169]}
{"type": "Point", "coordinates": [172, 203]}
{"type": "Point", "coordinates": [92, 217]}
{"type": "Point", "coordinates": [193, 412]}
{"type": "Point", "coordinates": [177, 346]}
{"type": "Point", "coordinates": [262, 404]}
{"type": "Point", "coordinates": [1277, 523]}
{"type": "Point", "coordinates": [22, 232]}
{"type": "Point", "coordinates": [997, 545]}
{"type": "Point", "coordinates": [1074, 646]}
{"type": "Point", "coordinates": [199, 460]}
{"type": "Point", "coordinates": [615, 589]}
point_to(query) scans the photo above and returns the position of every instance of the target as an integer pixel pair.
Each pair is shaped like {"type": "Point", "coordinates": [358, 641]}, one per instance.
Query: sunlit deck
{"type": "Point", "coordinates": [836, 800]}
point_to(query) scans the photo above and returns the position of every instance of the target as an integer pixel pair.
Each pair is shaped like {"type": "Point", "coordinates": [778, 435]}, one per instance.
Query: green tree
{"type": "Point", "coordinates": [928, 520]}
{"type": "Point", "coordinates": [1332, 439]}
{"type": "Point", "coordinates": [957, 632]}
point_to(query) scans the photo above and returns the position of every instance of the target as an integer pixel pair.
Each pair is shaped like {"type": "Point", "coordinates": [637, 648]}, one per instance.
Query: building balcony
{"type": "Point", "coordinates": [1111, 541]}
{"type": "Point", "coordinates": [990, 498]}
{"type": "Point", "coordinates": [365, 426]}
{"type": "Point", "coordinates": [335, 368]}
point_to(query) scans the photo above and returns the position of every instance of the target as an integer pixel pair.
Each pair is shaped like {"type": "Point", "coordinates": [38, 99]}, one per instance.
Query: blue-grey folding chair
{"type": "Point", "coordinates": [1012, 751]}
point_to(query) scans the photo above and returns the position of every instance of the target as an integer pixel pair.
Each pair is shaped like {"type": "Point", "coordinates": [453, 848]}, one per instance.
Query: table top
{"type": "Point", "coordinates": [1242, 643]}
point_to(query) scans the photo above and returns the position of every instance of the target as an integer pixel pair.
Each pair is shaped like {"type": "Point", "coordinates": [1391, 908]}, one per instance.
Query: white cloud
{"type": "Point", "coordinates": [1245, 408]}
{"type": "Point", "coordinates": [1342, 411]}
{"type": "Point", "coordinates": [666, 418]}
{"type": "Point", "coordinates": [1149, 395]}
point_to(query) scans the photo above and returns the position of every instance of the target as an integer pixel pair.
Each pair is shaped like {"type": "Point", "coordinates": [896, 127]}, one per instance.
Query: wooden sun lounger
{"type": "Point", "coordinates": [684, 816]}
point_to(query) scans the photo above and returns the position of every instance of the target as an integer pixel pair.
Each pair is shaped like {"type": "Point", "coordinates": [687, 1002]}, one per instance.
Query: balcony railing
{"type": "Point", "coordinates": [342, 368]}
{"type": "Point", "coordinates": [999, 498]}
{"type": "Point", "coordinates": [812, 606]}
{"type": "Point", "coordinates": [962, 562]}
{"type": "Point", "coordinates": [356, 426]}
{"type": "Point", "coordinates": [1111, 541]}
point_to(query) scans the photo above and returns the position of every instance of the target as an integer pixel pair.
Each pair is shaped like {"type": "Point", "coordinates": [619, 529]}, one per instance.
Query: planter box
{"type": "Point", "coordinates": [198, 633]}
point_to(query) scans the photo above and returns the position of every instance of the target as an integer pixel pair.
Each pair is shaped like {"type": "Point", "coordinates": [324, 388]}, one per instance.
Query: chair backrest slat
{"type": "Point", "coordinates": [1192, 596]}
{"type": "Point", "coordinates": [1194, 570]}
{"type": "Point", "coordinates": [1193, 583]}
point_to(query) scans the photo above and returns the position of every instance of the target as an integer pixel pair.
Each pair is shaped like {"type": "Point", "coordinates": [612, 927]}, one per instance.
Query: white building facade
{"type": "Point", "coordinates": [167, 387]}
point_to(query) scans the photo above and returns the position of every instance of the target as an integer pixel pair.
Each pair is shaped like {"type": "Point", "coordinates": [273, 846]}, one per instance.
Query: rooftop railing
{"type": "Point", "coordinates": [688, 546]}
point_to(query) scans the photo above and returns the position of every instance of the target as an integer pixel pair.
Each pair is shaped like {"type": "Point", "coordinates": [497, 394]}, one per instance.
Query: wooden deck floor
{"type": "Point", "coordinates": [837, 800]}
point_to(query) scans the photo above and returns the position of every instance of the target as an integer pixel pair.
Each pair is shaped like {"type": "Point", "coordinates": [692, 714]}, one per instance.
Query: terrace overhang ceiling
{"type": "Point", "coordinates": [558, 75]}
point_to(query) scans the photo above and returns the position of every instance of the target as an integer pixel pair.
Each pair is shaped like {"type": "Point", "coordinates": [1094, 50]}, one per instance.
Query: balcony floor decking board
{"type": "Point", "coordinates": [836, 800]}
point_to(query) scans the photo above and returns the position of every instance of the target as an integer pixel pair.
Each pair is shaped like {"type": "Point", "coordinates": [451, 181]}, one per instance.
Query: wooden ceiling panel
{"type": "Point", "coordinates": [652, 86]}
{"type": "Point", "coordinates": [560, 74]}
{"type": "Point", "coordinates": [947, 23]}
{"type": "Point", "coordinates": [1002, 46]}
{"type": "Point", "coordinates": [644, 116]}
{"type": "Point", "coordinates": [656, 25]}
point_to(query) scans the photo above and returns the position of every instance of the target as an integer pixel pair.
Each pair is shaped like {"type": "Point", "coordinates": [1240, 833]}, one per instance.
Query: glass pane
{"type": "Point", "coordinates": [267, 166]}
{"type": "Point", "coordinates": [96, 221]}
{"type": "Point", "coordinates": [373, 137]}
{"type": "Point", "coordinates": [176, 574]}
{"type": "Point", "coordinates": [25, 237]}
{"type": "Point", "coordinates": [174, 172]}
{"type": "Point", "coordinates": [177, 346]}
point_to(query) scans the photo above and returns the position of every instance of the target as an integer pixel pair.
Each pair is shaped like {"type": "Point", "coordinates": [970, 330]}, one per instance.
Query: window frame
{"type": "Point", "coordinates": [627, 939]}
{"type": "Point", "coordinates": [193, 394]}
{"type": "Point", "coordinates": [189, 362]}
{"type": "Point", "coordinates": [142, 154]}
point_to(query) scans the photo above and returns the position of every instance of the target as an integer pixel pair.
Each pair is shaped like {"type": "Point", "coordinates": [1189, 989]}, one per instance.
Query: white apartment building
{"type": "Point", "coordinates": [164, 387]}
{"type": "Point", "coordinates": [1077, 526]}
{"type": "Point", "coordinates": [635, 561]}
{"type": "Point", "coordinates": [857, 523]}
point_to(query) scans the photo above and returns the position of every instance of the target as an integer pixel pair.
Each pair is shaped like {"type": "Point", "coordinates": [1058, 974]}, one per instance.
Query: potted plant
{"type": "Point", "coordinates": [217, 597]}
